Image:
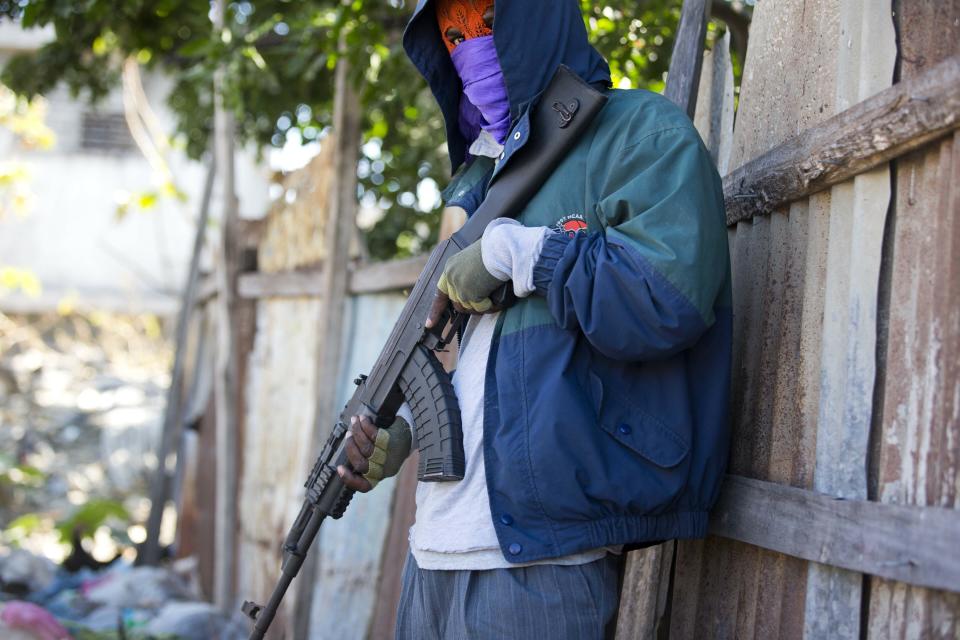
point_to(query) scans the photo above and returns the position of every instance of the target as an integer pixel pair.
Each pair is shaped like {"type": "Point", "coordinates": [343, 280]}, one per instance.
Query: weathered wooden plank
{"type": "Point", "coordinates": [683, 78]}
{"type": "Point", "coordinates": [283, 284]}
{"type": "Point", "coordinates": [396, 549]}
{"type": "Point", "coordinates": [688, 568]}
{"type": "Point", "coordinates": [716, 580]}
{"type": "Point", "coordinates": [195, 518]}
{"type": "Point", "coordinates": [715, 104]}
{"type": "Point", "coordinates": [904, 117]}
{"type": "Point", "coordinates": [206, 290]}
{"type": "Point", "coordinates": [772, 585]}
{"type": "Point", "coordinates": [295, 230]}
{"type": "Point", "coordinates": [779, 268]}
{"type": "Point", "coordinates": [206, 542]}
{"type": "Point", "coordinates": [736, 581]}
{"type": "Point", "coordinates": [387, 276]}
{"type": "Point", "coordinates": [756, 570]}
{"type": "Point", "coordinates": [911, 544]}
{"type": "Point", "coordinates": [377, 277]}
{"type": "Point", "coordinates": [227, 394]}
{"type": "Point", "coordinates": [646, 585]}
{"type": "Point", "coordinates": [172, 423]}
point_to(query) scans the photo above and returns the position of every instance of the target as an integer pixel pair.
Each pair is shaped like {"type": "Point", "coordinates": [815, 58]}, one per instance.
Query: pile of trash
{"type": "Point", "coordinates": [41, 601]}
{"type": "Point", "coordinates": [81, 403]}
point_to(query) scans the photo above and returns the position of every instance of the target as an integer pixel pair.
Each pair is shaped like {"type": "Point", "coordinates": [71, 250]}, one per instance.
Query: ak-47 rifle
{"type": "Point", "coordinates": [407, 369]}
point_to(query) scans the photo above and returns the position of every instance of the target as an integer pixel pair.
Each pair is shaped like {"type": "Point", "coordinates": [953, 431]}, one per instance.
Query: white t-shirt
{"type": "Point", "coordinates": [454, 526]}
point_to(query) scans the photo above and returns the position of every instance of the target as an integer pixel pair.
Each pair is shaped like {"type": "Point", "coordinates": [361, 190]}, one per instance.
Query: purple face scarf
{"type": "Point", "coordinates": [487, 106]}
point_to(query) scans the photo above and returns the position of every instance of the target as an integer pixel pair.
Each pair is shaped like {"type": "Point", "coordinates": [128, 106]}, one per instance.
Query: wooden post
{"type": "Point", "coordinates": [225, 390]}
{"type": "Point", "coordinates": [172, 420]}
{"type": "Point", "coordinates": [683, 79]}
{"type": "Point", "coordinates": [341, 219]}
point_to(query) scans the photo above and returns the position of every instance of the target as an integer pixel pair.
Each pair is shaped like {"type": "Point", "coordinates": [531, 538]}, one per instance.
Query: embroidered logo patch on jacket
{"type": "Point", "coordinates": [571, 224]}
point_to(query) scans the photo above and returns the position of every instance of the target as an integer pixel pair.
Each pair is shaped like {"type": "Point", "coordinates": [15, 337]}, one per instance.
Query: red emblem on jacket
{"type": "Point", "coordinates": [571, 224]}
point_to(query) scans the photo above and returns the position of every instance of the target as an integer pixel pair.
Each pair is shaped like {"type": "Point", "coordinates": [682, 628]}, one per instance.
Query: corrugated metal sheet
{"type": "Point", "coordinates": [280, 391]}
{"type": "Point", "coordinates": [919, 449]}
{"type": "Point", "coordinates": [351, 549]}
{"type": "Point", "coordinates": [858, 212]}
{"type": "Point", "coordinates": [280, 414]}
{"type": "Point", "coordinates": [803, 343]}
{"type": "Point", "coordinates": [281, 407]}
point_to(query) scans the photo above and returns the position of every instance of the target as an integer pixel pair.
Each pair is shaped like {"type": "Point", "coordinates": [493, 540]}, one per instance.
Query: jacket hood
{"type": "Point", "coordinates": [532, 37]}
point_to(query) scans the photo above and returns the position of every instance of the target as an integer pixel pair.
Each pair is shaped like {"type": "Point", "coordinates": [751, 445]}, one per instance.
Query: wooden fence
{"type": "Point", "coordinates": [839, 518]}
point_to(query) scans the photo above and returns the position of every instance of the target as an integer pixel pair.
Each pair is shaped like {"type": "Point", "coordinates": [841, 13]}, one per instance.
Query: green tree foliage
{"type": "Point", "coordinates": [25, 120]}
{"type": "Point", "coordinates": [279, 55]}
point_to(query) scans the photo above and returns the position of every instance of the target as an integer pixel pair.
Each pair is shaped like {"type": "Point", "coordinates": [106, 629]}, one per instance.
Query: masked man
{"type": "Point", "coordinates": [595, 409]}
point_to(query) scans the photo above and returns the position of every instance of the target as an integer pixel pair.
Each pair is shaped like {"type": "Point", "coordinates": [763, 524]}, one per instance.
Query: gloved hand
{"type": "Point", "coordinates": [374, 453]}
{"type": "Point", "coordinates": [466, 281]}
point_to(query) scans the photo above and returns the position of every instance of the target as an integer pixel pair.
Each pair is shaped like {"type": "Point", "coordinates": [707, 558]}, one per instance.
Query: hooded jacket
{"type": "Point", "coordinates": [606, 392]}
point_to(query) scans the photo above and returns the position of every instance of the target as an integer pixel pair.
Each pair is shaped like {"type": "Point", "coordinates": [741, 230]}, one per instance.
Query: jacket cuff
{"type": "Point", "coordinates": [553, 248]}
{"type": "Point", "coordinates": [510, 251]}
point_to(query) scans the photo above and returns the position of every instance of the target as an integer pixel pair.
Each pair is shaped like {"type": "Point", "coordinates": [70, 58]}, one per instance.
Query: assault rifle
{"type": "Point", "coordinates": [407, 369]}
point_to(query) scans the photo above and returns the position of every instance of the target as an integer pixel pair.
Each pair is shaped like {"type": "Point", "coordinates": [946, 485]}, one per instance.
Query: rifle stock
{"type": "Point", "coordinates": [407, 369]}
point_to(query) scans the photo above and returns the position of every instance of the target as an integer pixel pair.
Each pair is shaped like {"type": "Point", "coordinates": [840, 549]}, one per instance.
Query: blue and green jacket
{"type": "Point", "coordinates": [606, 398]}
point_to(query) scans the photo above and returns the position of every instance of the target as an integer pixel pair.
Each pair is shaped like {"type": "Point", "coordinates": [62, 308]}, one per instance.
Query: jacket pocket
{"type": "Point", "coordinates": [637, 429]}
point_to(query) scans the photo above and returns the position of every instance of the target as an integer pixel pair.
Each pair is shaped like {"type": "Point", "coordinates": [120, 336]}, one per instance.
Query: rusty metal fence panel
{"type": "Point", "coordinates": [917, 448]}
{"type": "Point", "coordinates": [821, 399]}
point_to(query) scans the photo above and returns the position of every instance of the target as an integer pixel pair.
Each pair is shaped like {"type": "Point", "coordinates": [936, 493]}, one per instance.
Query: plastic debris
{"type": "Point", "coordinates": [22, 571]}
{"type": "Point", "coordinates": [30, 622]}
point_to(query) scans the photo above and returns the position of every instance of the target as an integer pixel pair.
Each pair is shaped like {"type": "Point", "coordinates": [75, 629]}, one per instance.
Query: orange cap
{"type": "Point", "coordinates": [463, 16]}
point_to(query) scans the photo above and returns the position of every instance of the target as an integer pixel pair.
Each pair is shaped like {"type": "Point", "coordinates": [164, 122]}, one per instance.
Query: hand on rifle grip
{"type": "Point", "coordinates": [374, 454]}
{"type": "Point", "coordinates": [502, 298]}
{"type": "Point", "coordinates": [441, 305]}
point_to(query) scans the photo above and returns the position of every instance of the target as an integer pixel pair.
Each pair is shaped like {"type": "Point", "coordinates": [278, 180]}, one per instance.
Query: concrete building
{"type": "Point", "coordinates": [72, 239]}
